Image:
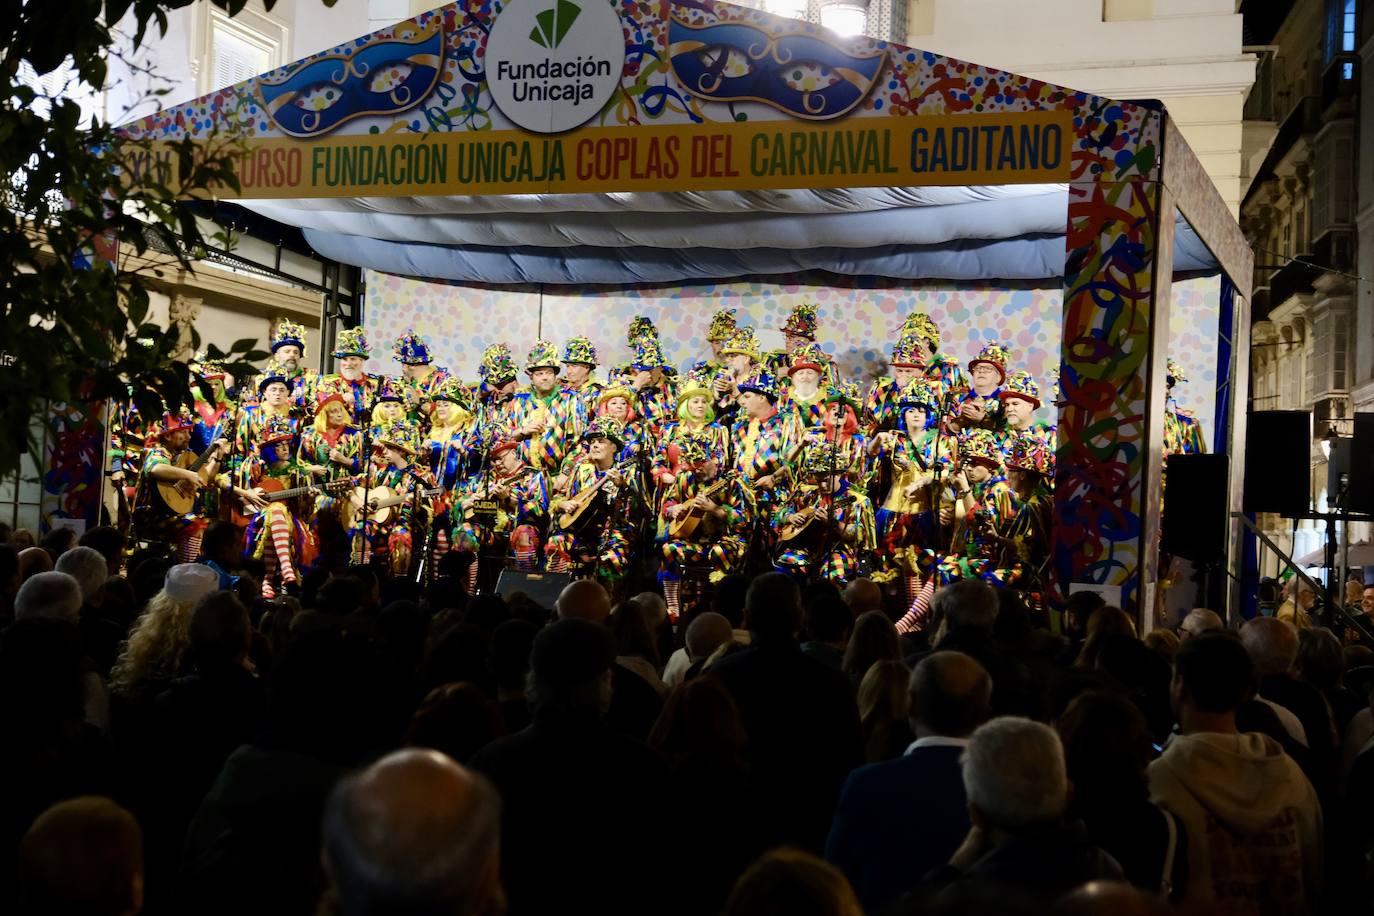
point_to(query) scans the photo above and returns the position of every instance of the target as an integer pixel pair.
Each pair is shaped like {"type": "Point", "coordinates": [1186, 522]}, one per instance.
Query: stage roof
{"type": "Point", "coordinates": [732, 143]}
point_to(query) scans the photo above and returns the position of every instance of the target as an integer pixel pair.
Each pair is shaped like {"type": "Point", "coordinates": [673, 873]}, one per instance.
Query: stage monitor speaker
{"type": "Point", "coordinates": [1360, 489]}
{"type": "Point", "coordinates": [1278, 472]}
{"type": "Point", "coordinates": [543, 588]}
{"type": "Point", "coordinates": [1194, 524]}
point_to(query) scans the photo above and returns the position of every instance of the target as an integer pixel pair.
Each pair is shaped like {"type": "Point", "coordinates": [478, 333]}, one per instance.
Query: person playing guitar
{"type": "Point", "coordinates": [707, 517]}
{"type": "Point", "coordinates": [167, 465]}
{"type": "Point", "coordinates": [592, 511]}
{"type": "Point", "coordinates": [398, 485]}
{"type": "Point", "coordinates": [331, 450]}
{"type": "Point", "coordinates": [826, 524]}
{"type": "Point", "coordinates": [276, 535]}
{"type": "Point", "coordinates": [519, 496]}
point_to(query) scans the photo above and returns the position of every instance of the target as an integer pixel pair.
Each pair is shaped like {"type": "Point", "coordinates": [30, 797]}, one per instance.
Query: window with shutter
{"type": "Point", "coordinates": [229, 51]}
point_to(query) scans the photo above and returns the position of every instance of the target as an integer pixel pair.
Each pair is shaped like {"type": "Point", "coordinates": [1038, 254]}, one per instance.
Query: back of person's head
{"type": "Point", "coordinates": [1106, 746]}
{"type": "Point", "coordinates": [82, 857]}
{"type": "Point", "coordinates": [874, 639]}
{"type": "Point", "coordinates": [632, 632]}
{"type": "Point", "coordinates": [457, 720]}
{"type": "Point", "coordinates": [790, 882]}
{"type": "Point", "coordinates": [1272, 644]}
{"type": "Point", "coordinates": [1014, 774]}
{"type": "Point", "coordinates": [1013, 623]}
{"type": "Point", "coordinates": [967, 604]}
{"type": "Point", "coordinates": [951, 695]}
{"type": "Point", "coordinates": [1079, 608]}
{"type": "Point", "coordinates": [707, 633]}
{"type": "Point", "coordinates": [340, 596]}
{"type": "Point", "coordinates": [1106, 623]}
{"type": "Point", "coordinates": [54, 595]}
{"type": "Point", "coordinates": [32, 561]}
{"type": "Point", "coordinates": [110, 542]}
{"type": "Point", "coordinates": [570, 670]}
{"type": "Point", "coordinates": [584, 599]}
{"type": "Point", "coordinates": [654, 608]}
{"type": "Point", "coordinates": [510, 653]}
{"type": "Point", "coordinates": [23, 538]}
{"type": "Point", "coordinates": [700, 719]}
{"type": "Point", "coordinates": [415, 834]}
{"type": "Point", "coordinates": [729, 598]}
{"type": "Point", "coordinates": [221, 542]}
{"type": "Point", "coordinates": [328, 697]}
{"type": "Point", "coordinates": [829, 620]}
{"type": "Point", "coordinates": [220, 632]}
{"type": "Point", "coordinates": [40, 671]}
{"type": "Point", "coordinates": [459, 654]}
{"type": "Point", "coordinates": [399, 633]}
{"type": "Point", "coordinates": [772, 606]}
{"type": "Point", "coordinates": [1213, 673]}
{"type": "Point", "coordinates": [486, 612]}
{"type": "Point", "coordinates": [1163, 643]}
{"type": "Point", "coordinates": [58, 541]}
{"type": "Point", "coordinates": [883, 693]}
{"type": "Point", "coordinates": [1198, 621]}
{"type": "Point", "coordinates": [1111, 898]}
{"type": "Point", "coordinates": [1320, 660]}
{"type": "Point", "coordinates": [88, 567]}
{"type": "Point", "coordinates": [863, 595]}
{"type": "Point", "coordinates": [368, 581]}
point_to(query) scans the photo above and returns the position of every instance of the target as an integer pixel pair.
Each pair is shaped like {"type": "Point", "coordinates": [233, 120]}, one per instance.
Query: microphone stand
{"type": "Point", "coordinates": [366, 458]}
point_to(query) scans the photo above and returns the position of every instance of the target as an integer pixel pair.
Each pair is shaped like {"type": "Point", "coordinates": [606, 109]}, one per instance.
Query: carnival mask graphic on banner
{"type": "Point", "coordinates": [800, 74]}
{"type": "Point", "coordinates": [382, 77]}
{"type": "Point", "coordinates": [551, 65]}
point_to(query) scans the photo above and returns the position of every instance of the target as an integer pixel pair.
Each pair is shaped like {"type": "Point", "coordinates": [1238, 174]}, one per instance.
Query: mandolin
{"type": "Point", "coordinates": [812, 514]}
{"type": "Point", "coordinates": [582, 516]}
{"type": "Point", "coordinates": [688, 522]}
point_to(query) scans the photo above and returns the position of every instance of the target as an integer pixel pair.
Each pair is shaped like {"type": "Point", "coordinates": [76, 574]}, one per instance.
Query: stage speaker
{"type": "Point", "coordinates": [1194, 523]}
{"type": "Point", "coordinates": [1360, 489]}
{"type": "Point", "coordinates": [1278, 444]}
{"type": "Point", "coordinates": [543, 588]}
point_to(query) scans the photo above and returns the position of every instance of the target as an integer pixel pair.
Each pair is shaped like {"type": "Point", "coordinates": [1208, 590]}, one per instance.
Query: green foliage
{"type": "Point", "coordinates": [69, 331]}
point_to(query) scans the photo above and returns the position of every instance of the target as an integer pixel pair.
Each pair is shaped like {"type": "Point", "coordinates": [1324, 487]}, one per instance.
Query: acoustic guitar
{"type": "Point", "coordinates": [178, 495]}
{"type": "Point", "coordinates": [811, 514]}
{"type": "Point", "coordinates": [582, 516]}
{"type": "Point", "coordinates": [376, 503]}
{"type": "Point", "coordinates": [274, 491]}
{"type": "Point", "coordinates": [686, 524]}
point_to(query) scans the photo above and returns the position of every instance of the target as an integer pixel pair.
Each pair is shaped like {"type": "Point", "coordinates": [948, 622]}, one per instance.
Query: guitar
{"type": "Point", "coordinates": [687, 523]}
{"type": "Point", "coordinates": [812, 514]}
{"type": "Point", "coordinates": [274, 491]}
{"type": "Point", "coordinates": [581, 516]}
{"type": "Point", "coordinates": [178, 495]}
{"type": "Point", "coordinates": [380, 501]}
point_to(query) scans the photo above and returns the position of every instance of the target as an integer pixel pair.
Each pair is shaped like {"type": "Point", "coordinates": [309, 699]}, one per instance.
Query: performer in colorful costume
{"type": "Point", "coordinates": [395, 470]}
{"type": "Point", "coordinates": [604, 546]}
{"type": "Point", "coordinates": [758, 441]}
{"type": "Point", "coordinates": [803, 402]}
{"type": "Point", "coordinates": [656, 395]}
{"type": "Point", "coordinates": [496, 388]}
{"type": "Point", "coordinates": [981, 406]}
{"type": "Point", "coordinates": [696, 419]}
{"type": "Point", "coordinates": [841, 528]}
{"type": "Point", "coordinates": [288, 353]}
{"type": "Point", "coordinates": [740, 356]}
{"type": "Point", "coordinates": [152, 518]}
{"type": "Point", "coordinates": [1182, 431]}
{"type": "Point", "coordinates": [214, 414]}
{"type": "Point", "coordinates": [390, 406]}
{"type": "Point", "coordinates": [881, 405]}
{"type": "Point", "coordinates": [912, 466]}
{"type": "Point", "coordinates": [522, 497]}
{"type": "Point", "coordinates": [452, 450]}
{"type": "Point", "coordinates": [579, 384]}
{"type": "Point", "coordinates": [356, 386]}
{"type": "Point", "coordinates": [1020, 398]}
{"type": "Point", "coordinates": [541, 416]}
{"type": "Point", "coordinates": [798, 331]}
{"type": "Point", "coordinates": [1026, 541]}
{"type": "Point", "coordinates": [420, 378]}
{"type": "Point", "coordinates": [721, 536]}
{"type": "Point", "coordinates": [274, 401]}
{"type": "Point", "coordinates": [276, 535]}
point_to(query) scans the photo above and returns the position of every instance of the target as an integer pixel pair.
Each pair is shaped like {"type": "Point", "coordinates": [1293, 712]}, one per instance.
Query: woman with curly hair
{"type": "Point", "coordinates": [154, 652]}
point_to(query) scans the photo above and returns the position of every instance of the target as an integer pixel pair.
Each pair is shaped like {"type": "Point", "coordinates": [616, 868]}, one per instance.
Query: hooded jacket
{"type": "Point", "coordinates": [1253, 821]}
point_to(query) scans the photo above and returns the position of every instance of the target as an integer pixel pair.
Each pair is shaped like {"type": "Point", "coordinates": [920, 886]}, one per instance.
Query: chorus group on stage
{"type": "Point", "coordinates": [938, 471]}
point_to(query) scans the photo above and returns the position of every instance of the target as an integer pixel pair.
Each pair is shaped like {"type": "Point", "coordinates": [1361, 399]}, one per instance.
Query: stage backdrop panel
{"type": "Point", "coordinates": [858, 321]}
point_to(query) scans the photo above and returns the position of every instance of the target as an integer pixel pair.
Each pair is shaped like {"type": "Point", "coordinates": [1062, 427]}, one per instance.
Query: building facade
{"type": "Point", "coordinates": [1301, 213]}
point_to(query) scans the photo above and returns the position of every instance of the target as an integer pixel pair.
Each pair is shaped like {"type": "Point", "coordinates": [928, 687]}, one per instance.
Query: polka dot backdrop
{"type": "Point", "coordinates": [858, 322]}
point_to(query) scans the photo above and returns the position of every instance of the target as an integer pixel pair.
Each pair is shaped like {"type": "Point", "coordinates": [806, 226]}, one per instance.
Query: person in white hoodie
{"type": "Point", "coordinates": [1253, 822]}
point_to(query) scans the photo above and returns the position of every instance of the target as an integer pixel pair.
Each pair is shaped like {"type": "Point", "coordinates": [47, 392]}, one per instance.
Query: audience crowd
{"type": "Point", "coordinates": [172, 744]}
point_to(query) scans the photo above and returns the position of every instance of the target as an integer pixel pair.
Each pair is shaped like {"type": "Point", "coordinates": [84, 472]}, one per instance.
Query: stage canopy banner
{"type": "Point", "coordinates": [590, 96]}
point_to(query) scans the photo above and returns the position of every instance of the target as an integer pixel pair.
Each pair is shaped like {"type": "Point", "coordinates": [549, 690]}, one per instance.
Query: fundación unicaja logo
{"type": "Point", "coordinates": [551, 65]}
